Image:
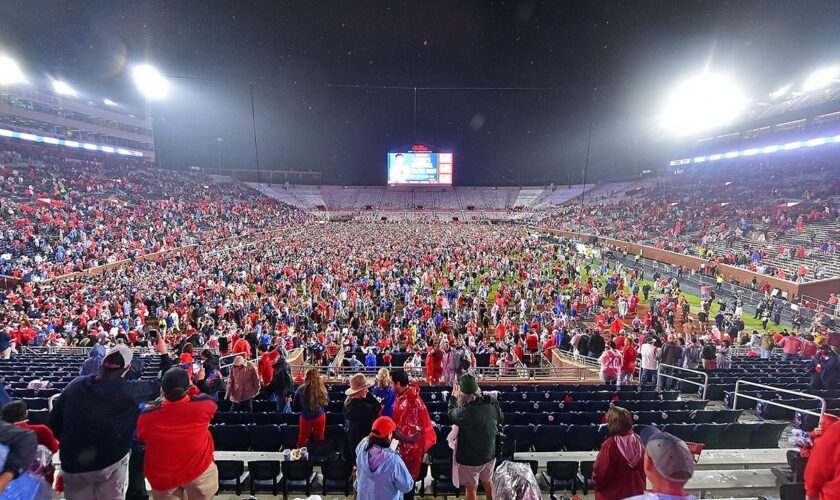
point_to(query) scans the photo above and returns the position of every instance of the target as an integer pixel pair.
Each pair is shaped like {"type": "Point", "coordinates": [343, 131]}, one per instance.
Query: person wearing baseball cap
{"type": "Point", "coordinates": [94, 419]}
{"type": "Point", "coordinates": [179, 447]}
{"type": "Point", "coordinates": [668, 466]}
{"type": "Point", "coordinates": [380, 472]}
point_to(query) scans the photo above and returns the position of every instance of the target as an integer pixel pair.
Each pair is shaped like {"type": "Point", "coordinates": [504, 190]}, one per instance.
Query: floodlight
{"type": "Point", "coordinates": [770, 149]}
{"type": "Point", "coordinates": [108, 102]}
{"type": "Point", "coordinates": [701, 103]}
{"type": "Point", "coordinates": [750, 152]}
{"type": "Point", "coordinates": [819, 141]}
{"type": "Point", "coordinates": [715, 157]}
{"type": "Point", "coordinates": [732, 154]}
{"type": "Point", "coordinates": [150, 82]}
{"type": "Point", "coordinates": [63, 88]}
{"type": "Point", "coordinates": [699, 159]}
{"type": "Point", "coordinates": [10, 72]}
{"type": "Point", "coordinates": [821, 78]}
{"type": "Point", "coordinates": [793, 145]}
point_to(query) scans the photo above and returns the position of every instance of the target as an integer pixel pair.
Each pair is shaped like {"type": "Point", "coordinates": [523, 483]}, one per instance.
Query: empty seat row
{"type": "Point", "coordinates": [264, 437]}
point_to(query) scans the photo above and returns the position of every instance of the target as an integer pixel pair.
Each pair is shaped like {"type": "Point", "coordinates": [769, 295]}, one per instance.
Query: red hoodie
{"type": "Point", "coordinates": [628, 357]}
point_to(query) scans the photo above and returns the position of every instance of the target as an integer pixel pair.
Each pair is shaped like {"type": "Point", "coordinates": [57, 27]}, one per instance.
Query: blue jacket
{"type": "Point", "coordinates": [387, 397]}
{"type": "Point", "coordinates": [380, 474]}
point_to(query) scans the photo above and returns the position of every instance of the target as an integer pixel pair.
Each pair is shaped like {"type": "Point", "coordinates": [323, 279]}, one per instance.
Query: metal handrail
{"type": "Point", "coordinates": [482, 372]}
{"type": "Point", "coordinates": [775, 403]}
{"type": "Point", "coordinates": [704, 385]}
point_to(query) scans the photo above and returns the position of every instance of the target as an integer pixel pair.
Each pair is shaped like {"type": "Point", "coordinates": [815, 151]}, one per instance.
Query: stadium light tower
{"type": "Point", "coordinates": [10, 72]}
{"type": "Point", "coordinates": [821, 78]}
{"type": "Point", "coordinates": [701, 103]}
{"type": "Point", "coordinates": [63, 88]}
{"type": "Point", "coordinates": [150, 82]}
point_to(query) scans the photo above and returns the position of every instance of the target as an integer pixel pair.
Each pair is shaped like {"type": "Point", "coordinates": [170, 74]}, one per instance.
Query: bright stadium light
{"type": "Point", "coordinates": [150, 82]}
{"type": "Point", "coordinates": [63, 88]}
{"type": "Point", "coordinates": [702, 103]}
{"type": "Point", "coordinates": [108, 102]}
{"type": "Point", "coordinates": [10, 72]}
{"type": "Point", "coordinates": [821, 78]}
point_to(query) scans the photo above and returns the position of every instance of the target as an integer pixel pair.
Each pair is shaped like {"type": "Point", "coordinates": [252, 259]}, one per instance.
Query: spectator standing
{"type": "Point", "coordinates": [360, 410]}
{"type": "Point", "coordinates": [383, 391]}
{"type": "Point", "coordinates": [649, 353]}
{"type": "Point", "coordinates": [691, 354]}
{"type": "Point", "coordinates": [243, 385]}
{"type": "Point", "coordinates": [310, 400]}
{"type": "Point", "coordinates": [791, 345]}
{"type": "Point", "coordinates": [179, 447]}
{"type": "Point", "coordinates": [668, 466]}
{"type": "Point", "coordinates": [414, 427]}
{"type": "Point", "coordinates": [282, 385]}
{"type": "Point", "coordinates": [610, 362]}
{"type": "Point", "coordinates": [767, 344]}
{"type": "Point", "coordinates": [478, 418]}
{"type": "Point", "coordinates": [825, 369]}
{"type": "Point", "coordinates": [822, 475]}
{"type": "Point", "coordinates": [95, 418]}
{"type": "Point", "coordinates": [597, 345]}
{"type": "Point", "coordinates": [628, 362]}
{"type": "Point", "coordinates": [723, 359]}
{"type": "Point", "coordinates": [671, 354]}
{"type": "Point", "coordinates": [380, 472]}
{"type": "Point", "coordinates": [709, 354]}
{"type": "Point", "coordinates": [619, 467]}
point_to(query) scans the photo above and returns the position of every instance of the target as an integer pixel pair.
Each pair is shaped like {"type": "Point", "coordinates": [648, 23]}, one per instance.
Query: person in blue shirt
{"type": "Point", "coordinates": [370, 360]}
{"type": "Point", "coordinates": [383, 392]}
{"type": "Point", "coordinates": [380, 472]}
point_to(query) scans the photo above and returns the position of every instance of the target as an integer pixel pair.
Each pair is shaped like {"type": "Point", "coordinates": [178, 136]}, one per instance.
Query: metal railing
{"type": "Point", "coordinates": [775, 402]}
{"type": "Point", "coordinates": [704, 385]}
{"type": "Point", "coordinates": [76, 350]}
{"type": "Point", "coordinates": [554, 373]}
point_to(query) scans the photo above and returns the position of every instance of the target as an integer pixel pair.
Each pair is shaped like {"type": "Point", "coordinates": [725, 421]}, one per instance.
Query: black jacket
{"type": "Point", "coordinates": [95, 420]}
{"type": "Point", "coordinates": [596, 345]}
{"type": "Point", "coordinates": [359, 415]}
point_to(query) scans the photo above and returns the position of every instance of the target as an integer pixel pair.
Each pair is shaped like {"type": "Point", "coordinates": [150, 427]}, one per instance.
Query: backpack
{"type": "Point", "coordinates": [709, 351]}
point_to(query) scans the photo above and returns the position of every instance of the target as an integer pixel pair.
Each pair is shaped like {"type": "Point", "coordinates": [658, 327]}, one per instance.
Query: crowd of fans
{"type": "Point", "coordinates": [778, 219]}
{"type": "Point", "coordinates": [446, 300]}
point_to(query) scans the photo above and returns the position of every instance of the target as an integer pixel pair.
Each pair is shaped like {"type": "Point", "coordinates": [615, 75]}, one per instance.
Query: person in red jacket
{"type": "Point", "coordinates": [179, 447]}
{"type": "Point", "coordinates": [628, 363]}
{"type": "Point", "coordinates": [266, 363]}
{"type": "Point", "coordinates": [241, 346]}
{"type": "Point", "coordinates": [822, 475]}
{"type": "Point", "coordinates": [619, 469]}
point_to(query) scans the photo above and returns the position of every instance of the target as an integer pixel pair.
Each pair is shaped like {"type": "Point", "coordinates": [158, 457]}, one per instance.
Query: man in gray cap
{"type": "Point", "coordinates": [94, 418]}
{"type": "Point", "coordinates": [668, 466]}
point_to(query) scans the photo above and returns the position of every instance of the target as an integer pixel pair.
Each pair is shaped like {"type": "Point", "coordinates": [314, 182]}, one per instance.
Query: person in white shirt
{"type": "Point", "coordinates": [648, 353]}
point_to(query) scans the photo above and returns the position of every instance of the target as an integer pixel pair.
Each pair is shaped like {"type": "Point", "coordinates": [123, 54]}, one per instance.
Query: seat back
{"type": "Point", "coordinates": [264, 470]}
{"type": "Point", "coordinates": [561, 470]}
{"type": "Point", "coordinates": [296, 470]}
{"type": "Point", "coordinates": [230, 470]}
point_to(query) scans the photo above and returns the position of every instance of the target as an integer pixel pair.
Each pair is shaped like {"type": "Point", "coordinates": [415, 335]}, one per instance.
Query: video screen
{"type": "Point", "coordinates": [419, 167]}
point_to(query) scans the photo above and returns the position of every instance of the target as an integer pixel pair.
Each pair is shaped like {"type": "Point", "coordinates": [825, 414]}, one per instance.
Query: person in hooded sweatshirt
{"type": "Point", "coordinates": [94, 361]}
{"type": "Point", "coordinates": [380, 472]}
{"type": "Point", "coordinates": [619, 470]}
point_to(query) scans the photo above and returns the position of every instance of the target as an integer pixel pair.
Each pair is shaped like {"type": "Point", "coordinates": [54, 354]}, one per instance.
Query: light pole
{"type": "Point", "coordinates": [219, 141]}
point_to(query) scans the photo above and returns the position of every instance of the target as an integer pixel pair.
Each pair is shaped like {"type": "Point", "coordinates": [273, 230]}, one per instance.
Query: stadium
{"type": "Point", "coordinates": [512, 251]}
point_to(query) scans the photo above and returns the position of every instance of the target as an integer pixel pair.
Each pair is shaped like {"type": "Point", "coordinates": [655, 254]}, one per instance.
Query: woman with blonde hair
{"type": "Point", "coordinates": [619, 469]}
{"type": "Point", "coordinates": [310, 401]}
{"type": "Point", "coordinates": [383, 391]}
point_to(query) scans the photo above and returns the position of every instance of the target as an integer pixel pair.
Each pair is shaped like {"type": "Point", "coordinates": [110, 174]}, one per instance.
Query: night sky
{"type": "Point", "coordinates": [308, 61]}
